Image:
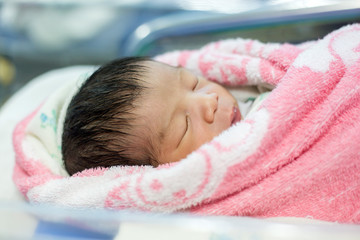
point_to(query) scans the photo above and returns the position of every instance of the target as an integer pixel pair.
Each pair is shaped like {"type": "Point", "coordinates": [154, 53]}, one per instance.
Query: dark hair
{"type": "Point", "coordinates": [98, 122]}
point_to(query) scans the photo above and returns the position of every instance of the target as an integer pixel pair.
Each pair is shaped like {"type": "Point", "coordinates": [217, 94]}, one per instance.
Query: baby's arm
{"type": "Point", "coordinates": [237, 62]}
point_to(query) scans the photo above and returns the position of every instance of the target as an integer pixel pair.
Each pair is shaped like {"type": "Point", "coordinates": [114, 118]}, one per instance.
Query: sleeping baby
{"type": "Point", "coordinates": [137, 111]}
{"type": "Point", "coordinates": [181, 143]}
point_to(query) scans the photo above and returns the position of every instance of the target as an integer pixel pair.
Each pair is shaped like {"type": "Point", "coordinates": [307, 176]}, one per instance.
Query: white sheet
{"type": "Point", "coordinates": [18, 106]}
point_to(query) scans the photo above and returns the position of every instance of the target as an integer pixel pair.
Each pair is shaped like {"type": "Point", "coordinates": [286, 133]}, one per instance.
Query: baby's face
{"type": "Point", "coordinates": [183, 111]}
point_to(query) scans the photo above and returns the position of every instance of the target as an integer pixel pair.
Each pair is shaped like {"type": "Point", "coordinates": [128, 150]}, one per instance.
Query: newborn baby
{"type": "Point", "coordinates": [136, 111]}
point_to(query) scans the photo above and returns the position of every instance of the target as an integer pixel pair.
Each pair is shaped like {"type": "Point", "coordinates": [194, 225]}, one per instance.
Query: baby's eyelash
{"type": "Point", "coordinates": [186, 129]}
{"type": "Point", "coordinates": [187, 122]}
{"type": "Point", "coordinates": [196, 83]}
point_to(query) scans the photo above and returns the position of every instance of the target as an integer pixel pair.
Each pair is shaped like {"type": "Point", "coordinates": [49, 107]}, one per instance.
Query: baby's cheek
{"type": "Point", "coordinates": [203, 136]}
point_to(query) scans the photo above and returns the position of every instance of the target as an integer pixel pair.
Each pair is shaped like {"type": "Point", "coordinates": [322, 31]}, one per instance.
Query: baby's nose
{"type": "Point", "coordinates": [209, 105]}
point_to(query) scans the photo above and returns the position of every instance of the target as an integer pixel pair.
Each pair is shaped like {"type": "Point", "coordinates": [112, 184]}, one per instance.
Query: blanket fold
{"type": "Point", "coordinates": [297, 155]}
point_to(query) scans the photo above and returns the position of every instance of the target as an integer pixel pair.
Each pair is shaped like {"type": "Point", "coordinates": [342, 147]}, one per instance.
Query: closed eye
{"type": "Point", "coordinates": [196, 83]}
{"type": "Point", "coordinates": [187, 122]}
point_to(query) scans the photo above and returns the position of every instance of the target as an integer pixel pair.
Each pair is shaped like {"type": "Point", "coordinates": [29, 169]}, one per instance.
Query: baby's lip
{"type": "Point", "coordinates": [235, 115]}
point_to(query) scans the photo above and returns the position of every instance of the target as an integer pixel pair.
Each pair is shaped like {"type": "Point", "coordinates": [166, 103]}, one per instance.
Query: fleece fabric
{"type": "Point", "coordinates": [297, 155]}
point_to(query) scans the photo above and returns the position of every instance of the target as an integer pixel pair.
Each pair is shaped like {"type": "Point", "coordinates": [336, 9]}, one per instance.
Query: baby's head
{"type": "Point", "coordinates": [136, 111]}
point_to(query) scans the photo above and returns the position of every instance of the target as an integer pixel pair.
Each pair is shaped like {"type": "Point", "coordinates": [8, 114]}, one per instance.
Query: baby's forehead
{"type": "Point", "coordinates": [153, 108]}
{"type": "Point", "coordinates": [161, 71]}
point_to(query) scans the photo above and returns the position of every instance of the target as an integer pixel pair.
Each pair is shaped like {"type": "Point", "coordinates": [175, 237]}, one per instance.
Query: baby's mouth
{"type": "Point", "coordinates": [235, 116]}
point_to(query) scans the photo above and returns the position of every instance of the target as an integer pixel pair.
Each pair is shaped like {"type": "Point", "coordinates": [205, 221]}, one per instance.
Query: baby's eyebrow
{"type": "Point", "coordinates": [164, 131]}
{"type": "Point", "coordinates": [161, 135]}
{"type": "Point", "coordinates": [165, 128]}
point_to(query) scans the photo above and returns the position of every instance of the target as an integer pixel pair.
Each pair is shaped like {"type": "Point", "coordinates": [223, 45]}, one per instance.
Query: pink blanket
{"type": "Point", "coordinates": [298, 155]}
